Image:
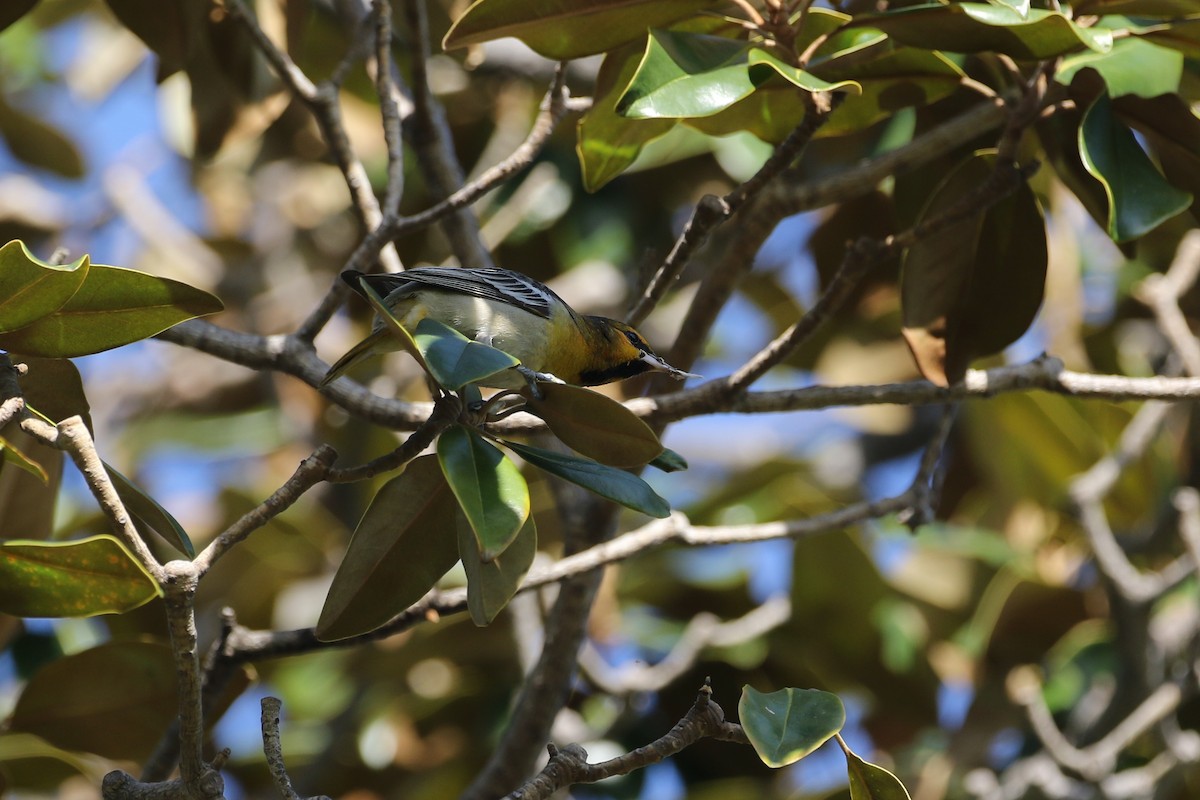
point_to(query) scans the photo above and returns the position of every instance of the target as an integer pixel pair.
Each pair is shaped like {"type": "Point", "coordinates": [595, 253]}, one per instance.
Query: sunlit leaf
{"type": "Point", "coordinates": [114, 700]}
{"type": "Point", "coordinates": [607, 142]}
{"type": "Point", "coordinates": [1132, 67]}
{"type": "Point", "coordinates": [147, 511]}
{"type": "Point", "coordinates": [27, 500]}
{"type": "Point", "coordinates": [595, 425]}
{"type": "Point", "coordinates": [11, 455]}
{"type": "Point", "coordinates": [614, 484]}
{"type": "Point", "coordinates": [491, 584]}
{"type": "Point", "coordinates": [979, 27]}
{"type": "Point", "coordinates": [787, 725]}
{"type": "Point", "coordinates": [403, 544]}
{"type": "Point", "coordinates": [31, 289]}
{"type": "Point", "coordinates": [80, 578]}
{"type": "Point", "coordinates": [559, 30]}
{"type": "Point", "coordinates": [1139, 198]}
{"type": "Point", "coordinates": [403, 336]}
{"type": "Point", "coordinates": [871, 782]}
{"type": "Point", "coordinates": [454, 359]}
{"type": "Point", "coordinates": [114, 306]}
{"type": "Point", "coordinates": [489, 488]}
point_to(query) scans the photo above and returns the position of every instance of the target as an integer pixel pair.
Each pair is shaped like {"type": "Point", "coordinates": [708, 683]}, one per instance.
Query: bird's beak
{"type": "Point", "coordinates": [656, 363]}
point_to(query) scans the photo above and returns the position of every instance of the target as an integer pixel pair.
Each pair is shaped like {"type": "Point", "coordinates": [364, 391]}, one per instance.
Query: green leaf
{"type": "Point", "coordinates": [407, 343]}
{"type": "Point", "coordinates": [1181, 35]}
{"type": "Point", "coordinates": [146, 510]}
{"type": "Point", "coordinates": [595, 425]}
{"type": "Point", "coordinates": [1132, 67]}
{"type": "Point", "coordinates": [1139, 198]}
{"type": "Point", "coordinates": [114, 306]}
{"type": "Point", "coordinates": [559, 30]}
{"type": "Point", "coordinates": [26, 500]}
{"type": "Point", "coordinates": [80, 578]}
{"type": "Point", "coordinates": [114, 700]}
{"type": "Point", "coordinates": [491, 584]}
{"type": "Point", "coordinates": [13, 10]}
{"type": "Point", "coordinates": [31, 289]}
{"type": "Point", "coordinates": [687, 75]}
{"type": "Point", "coordinates": [978, 27]}
{"type": "Point", "coordinates": [1172, 131]}
{"type": "Point", "coordinates": [488, 486]}
{"type": "Point", "coordinates": [1140, 8]}
{"type": "Point", "coordinates": [607, 142]}
{"type": "Point", "coordinates": [973, 288]}
{"type": "Point", "coordinates": [669, 461]}
{"type": "Point", "coordinates": [53, 389]}
{"type": "Point", "coordinates": [871, 782]}
{"type": "Point", "coordinates": [38, 144]}
{"type": "Point", "coordinates": [614, 484]}
{"type": "Point", "coordinates": [403, 544]}
{"type": "Point", "coordinates": [10, 454]}
{"type": "Point", "coordinates": [787, 725]}
{"type": "Point", "coordinates": [1019, 6]}
{"type": "Point", "coordinates": [453, 359]}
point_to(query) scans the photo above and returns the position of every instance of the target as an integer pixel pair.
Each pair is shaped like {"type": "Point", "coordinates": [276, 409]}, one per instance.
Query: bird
{"type": "Point", "coordinates": [511, 312]}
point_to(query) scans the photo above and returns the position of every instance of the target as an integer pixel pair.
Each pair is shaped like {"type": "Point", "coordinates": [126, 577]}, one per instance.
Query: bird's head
{"type": "Point", "coordinates": [625, 354]}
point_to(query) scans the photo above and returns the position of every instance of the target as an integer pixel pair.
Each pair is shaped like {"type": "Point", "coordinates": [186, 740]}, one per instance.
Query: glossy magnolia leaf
{"type": "Point", "coordinates": [1181, 35]}
{"type": "Point", "coordinates": [453, 359]}
{"type": "Point", "coordinates": [31, 289]}
{"type": "Point", "coordinates": [1019, 6]}
{"type": "Point", "coordinates": [787, 725]}
{"type": "Point", "coordinates": [686, 75]}
{"type": "Point", "coordinates": [491, 584]}
{"type": "Point", "coordinates": [973, 288]}
{"type": "Point", "coordinates": [669, 461]}
{"type": "Point", "coordinates": [559, 30]}
{"type": "Point", "coordinates": [614, 484]}
{"type": "Point", "coordinates": [403, 544]}
{"type": "Point", "coordinates": [53, 390]}
{"type": "Point", "coordinates": [1172, 131]}
{"type": "Point", "coordinates": [146, 510]}
{"type": "Point", "coordinates": [489, 488]}
{"type": "Point", "coordinates": [26, 500]}
{"type": "Point", "coordinates": [979, 27]}
{"type": "Point", "coordinates": [1132, 67]}
{"type": "Point", "coordinates": [114, 700]}
{"type": "Point", "coordinates": [38, 144]}
{"type": "Point", "coordinates": [609, 143]}
{"type": "Point", "coordinates": [595, 425]}
{"type": "Point", "coordinates": [114, 306]}
{"type": "Point", "coordinates": [871, 782]}
{"type": "Point", "coordinates": [80, 578]}
{"type": "Point", "coordinates": [1139, 198]}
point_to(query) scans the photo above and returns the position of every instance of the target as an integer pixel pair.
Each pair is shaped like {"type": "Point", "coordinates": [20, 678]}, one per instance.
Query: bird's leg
{"type": "Point", "coordinates": [531, 377]}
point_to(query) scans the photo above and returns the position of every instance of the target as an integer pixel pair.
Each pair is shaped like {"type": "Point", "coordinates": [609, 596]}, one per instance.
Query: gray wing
{"type": "Point", "coordinates": [501, 285]}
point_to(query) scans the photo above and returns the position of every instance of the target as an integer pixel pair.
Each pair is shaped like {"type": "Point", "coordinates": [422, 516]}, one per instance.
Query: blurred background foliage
{"type": "Point", "coordinates": [196, 165]}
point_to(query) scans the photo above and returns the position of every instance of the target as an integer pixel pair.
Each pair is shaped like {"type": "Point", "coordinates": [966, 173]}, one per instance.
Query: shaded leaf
{"type": "Point", "coordinates": [1132, 67]}
{"type": "Point", "coordinates": [595, 425]}
{"type": "Point", "coordinates": [31, 289]}
{"type": "Point", "coordinates": [26, 501]}
{"type": "Point", "coordinates": [489, 488]}
{"type": "Point", "coordinates": [146, 510]}
{"type": "Point", "coordinates": [608, 143]}
{"type": "Point", "coordinates": [559, 30]}
{"type": "Point", "coordinates": [979, 27]}
{"type": "Point", "coordinates": [491, 584]}
{"type": "Point", "coordinates": [669, 461]}
{"type": "Point", "coordinates": [1173, 133]}
{"type": "Point", "coordinates": [13, 10]}
{"type": "Point", "coordinates": [53, 389]}
{"type": "Point", "coordinates": [973, 288]}
{"type": "Point", "coordinates": [1182, 35]}
{"type": "Point", "coordinates": [614, 484]}
{"type": "Point", "coordinates": [114, 700]}
{"type": "Point", "coordinates": [787, 725]}
{"type": "Point", "coordinates": [1139, 198]}
{"type": "Point", "coordinates": [871, 782]}
{"type": "Point", "coordinates": [37, 143]}
{"type": "Point", "coordinates": [403, 544]}
{"type": "Point", "coordinates": [1140, 8]}
{"type": "Point", "coordinates": [114, 306]}
{"type": "Point", "coordinates": [171, 30]}
{"type": "Point", "coordinates": [453, 359]}
{"type": "Point", "coordinates": [81, 578]}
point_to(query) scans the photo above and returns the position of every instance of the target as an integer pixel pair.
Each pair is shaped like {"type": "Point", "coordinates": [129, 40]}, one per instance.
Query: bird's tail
{"type": "Point", "coordinates": [375, 343]}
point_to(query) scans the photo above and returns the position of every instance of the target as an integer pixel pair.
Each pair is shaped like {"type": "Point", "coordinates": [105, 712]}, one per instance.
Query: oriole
{"type": "Point", "coordinates": [513, 313]}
